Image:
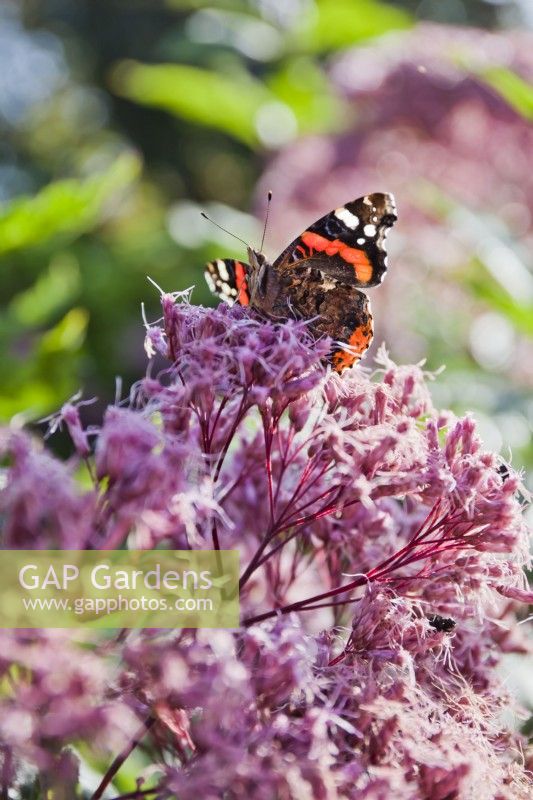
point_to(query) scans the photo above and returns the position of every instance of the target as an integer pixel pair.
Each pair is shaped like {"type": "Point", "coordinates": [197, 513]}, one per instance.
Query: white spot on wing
{"type": "Point", "coordinates": [327, 285]}
{"type": "Point", "coordinates": [367, 201]}
{"type": "Point", "coordinates": [222, 270]}
{"type": "Point", "coordinates": [370, 230]}
{"type": "Point", "coordinates": [381, 237]}
{"type": "Point", "coordinates": [349, 219]}
{"type": "Point", "coordinates": [210, 282]}
{"type": "Point", "coordinates": [361, 240]}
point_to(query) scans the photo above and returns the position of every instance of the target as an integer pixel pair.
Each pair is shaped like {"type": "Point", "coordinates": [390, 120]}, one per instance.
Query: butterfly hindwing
{"type": "Point", "coordinates": [334, 309]}
{"type": "Point", "coordinates": [347, 244]}
{"type": "Point", "coordinates": [229, 280]}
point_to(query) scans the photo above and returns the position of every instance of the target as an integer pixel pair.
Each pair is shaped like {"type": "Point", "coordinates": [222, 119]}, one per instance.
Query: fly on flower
{"type": "Point", "coordinates": [442, 624]}
{"type": "Point", "coordinates": [318, 277]}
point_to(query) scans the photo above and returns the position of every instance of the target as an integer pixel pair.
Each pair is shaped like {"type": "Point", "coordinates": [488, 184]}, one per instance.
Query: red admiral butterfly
{"type": "Point", "coordinates": [318, 276]}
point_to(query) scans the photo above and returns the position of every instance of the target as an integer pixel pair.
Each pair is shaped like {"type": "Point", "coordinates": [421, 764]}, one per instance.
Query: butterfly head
{"type": "Point", "coordinates": [256, 259]}
{"type": "Point", "coordinates": [260, 276]}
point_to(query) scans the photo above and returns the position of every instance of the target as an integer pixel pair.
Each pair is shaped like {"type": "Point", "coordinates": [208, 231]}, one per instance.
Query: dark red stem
{"type": "Point", "coordinates": [121, 758]}
{"type": "Point", "coordinates": [136, 795]}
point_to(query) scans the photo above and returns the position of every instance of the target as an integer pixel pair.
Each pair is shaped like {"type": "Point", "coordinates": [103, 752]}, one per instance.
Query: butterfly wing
{"type": "Point", "coordinates": [229, 280]}
{"type": "Point", "coordinates": [334, 309]}
{"type": "Point", "coordinates": [348, 244]}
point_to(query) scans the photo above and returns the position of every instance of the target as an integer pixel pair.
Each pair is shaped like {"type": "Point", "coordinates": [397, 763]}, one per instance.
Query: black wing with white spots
{"type": "Point", "coordinates": [229, 280]}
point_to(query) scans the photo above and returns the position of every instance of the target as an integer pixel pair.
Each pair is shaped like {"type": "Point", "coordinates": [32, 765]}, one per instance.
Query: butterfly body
{"type": "Point", "coordinates": [319, 276]}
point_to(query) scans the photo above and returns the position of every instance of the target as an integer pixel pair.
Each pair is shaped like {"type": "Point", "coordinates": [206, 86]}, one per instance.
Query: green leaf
{"type": "Point", "coordinates": [68, 334]}
{"type": "Point", "coordinates": [67, 206]}
{"type": "Point", "coordinates": [30, 399]}
{"type": "Point", "coordinates": [227, 103]}
{"type": "Point", "coordinates": [514, 89]}
{"type": "Point", "coordinates": [47, 375]}
{"type": "Point", "coordinates": [195, 5]}
{"type": "Point", "coordinates": [53, 290]}
{"type": "Point", "coordinates": [302, 86]}
{"type": "Point", "coordinates": [483, 287]}
{"type": "Point", "coordinates": [341, 23]}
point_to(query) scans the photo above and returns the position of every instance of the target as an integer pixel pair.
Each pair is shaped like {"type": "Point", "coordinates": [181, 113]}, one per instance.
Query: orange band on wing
{"type": "Point", "coordinates": [361, 338]}
{"type": "Point", "coordinates": [331, 247]}
{"type": "Point", "coordinates": [315, 241]}
{"type": "Point", "coordinates": [359, 342]}
{"type": "Point", "coordinates": [242, 284]}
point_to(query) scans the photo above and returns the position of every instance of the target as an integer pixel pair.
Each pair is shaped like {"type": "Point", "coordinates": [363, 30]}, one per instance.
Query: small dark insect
{"type": "Point", "coordinates": [503, 469]}
{"type": "Point", "coordinates": [444, 624]}
{"type": "Point", "coordinates": [505, 473]}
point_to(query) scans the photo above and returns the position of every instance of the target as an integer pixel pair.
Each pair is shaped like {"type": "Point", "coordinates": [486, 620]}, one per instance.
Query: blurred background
{"type": "Point", "coordinates": [121, 119]}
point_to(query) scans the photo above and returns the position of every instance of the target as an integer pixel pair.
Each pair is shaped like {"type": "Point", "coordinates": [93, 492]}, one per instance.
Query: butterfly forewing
{"type": "Point", "coordinates": [229, 280]}
{"type": "Point", "coordinates": [347, 244]}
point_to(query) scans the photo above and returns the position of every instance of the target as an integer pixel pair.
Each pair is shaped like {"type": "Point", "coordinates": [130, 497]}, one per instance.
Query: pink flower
{"type": "Point", "coordinates": [362, 516]}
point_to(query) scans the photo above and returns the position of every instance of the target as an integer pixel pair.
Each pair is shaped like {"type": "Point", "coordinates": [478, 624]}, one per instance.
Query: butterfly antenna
{"type": "Point", "coordinates": [204, 215]}
{"type": "Point", "coordinates": [269, 199]}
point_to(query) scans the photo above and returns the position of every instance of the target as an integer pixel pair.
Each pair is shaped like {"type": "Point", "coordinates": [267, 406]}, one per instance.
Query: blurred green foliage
{"type": "Point", "coordinates": [517, 92]}
{"type": "Point", "coordinates": [482, 286]}
{"type": "Point", "coordinates": [227, 103]}
{"type": "Point", "coordinates": [335, 24]}
{"type": "Point", "coordinates": [63, 207]}
{"type": "Point", "coordinates": [230, 103]}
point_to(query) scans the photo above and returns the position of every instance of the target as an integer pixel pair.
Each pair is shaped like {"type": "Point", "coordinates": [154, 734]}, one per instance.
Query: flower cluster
{"type": "Point", "coordinates": [382, 553]}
